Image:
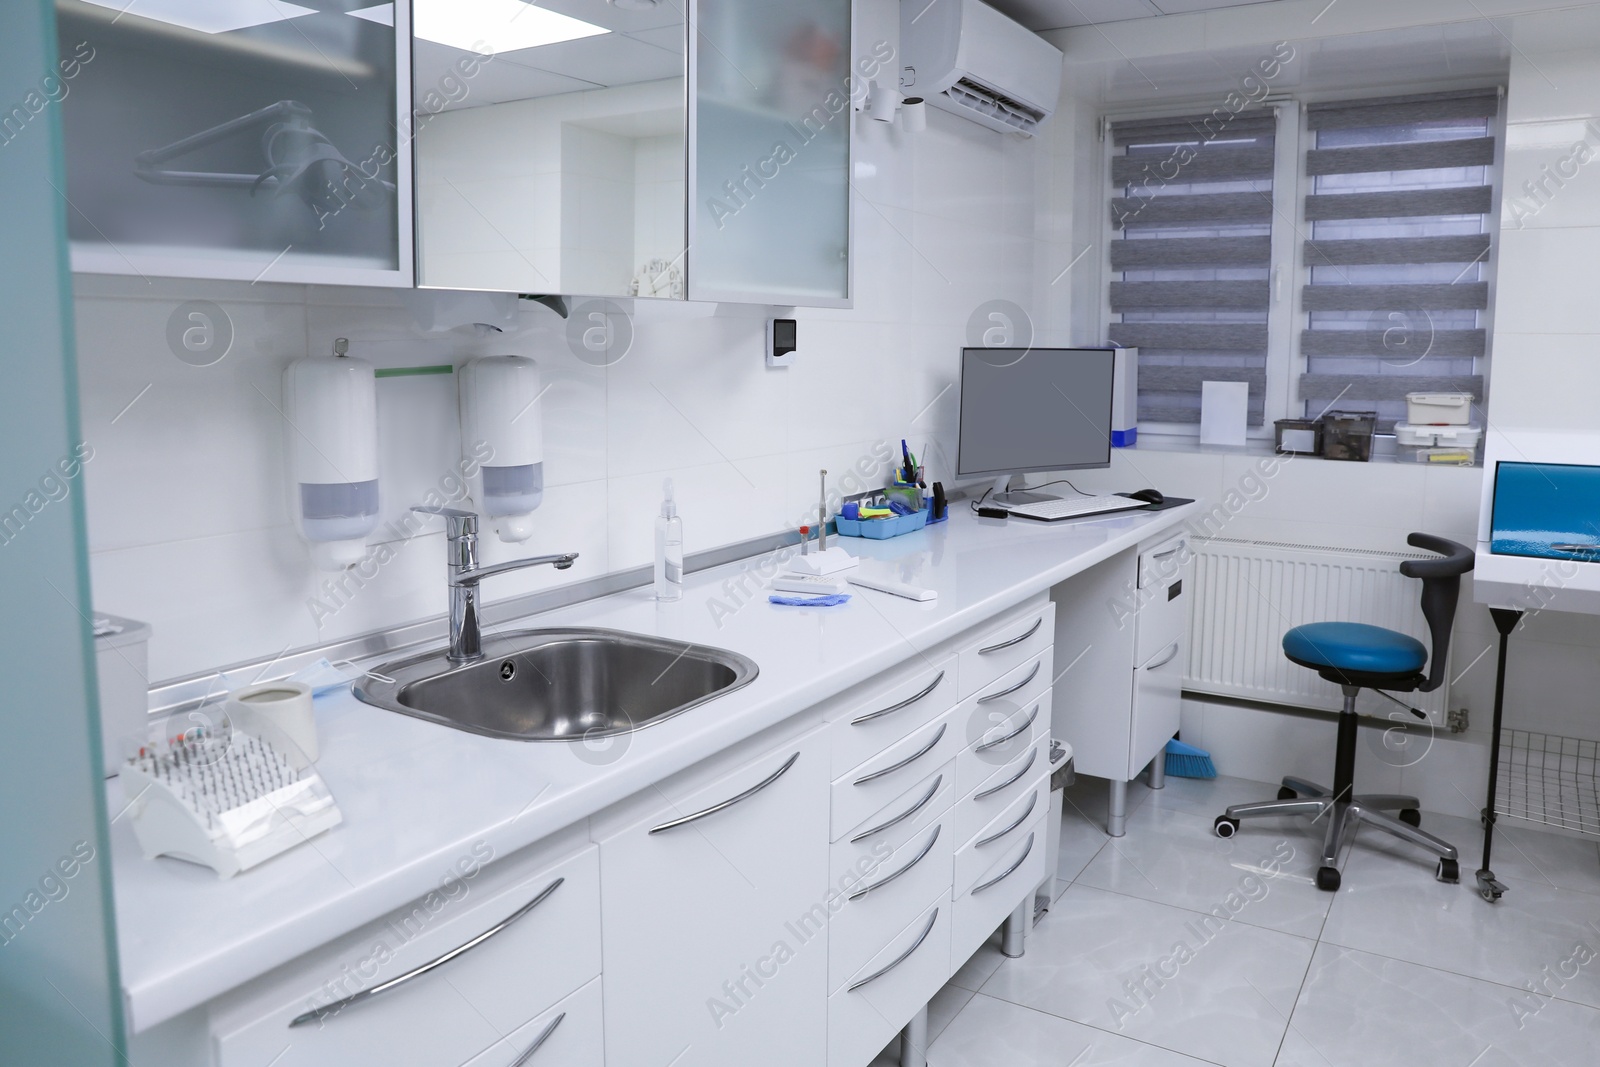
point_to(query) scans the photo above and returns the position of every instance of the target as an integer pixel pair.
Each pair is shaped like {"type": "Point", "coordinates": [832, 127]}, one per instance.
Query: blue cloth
{"type": "Point", "coordinates": [1355, 646]}
{"type": "Point", "coordinates": [809, 601]}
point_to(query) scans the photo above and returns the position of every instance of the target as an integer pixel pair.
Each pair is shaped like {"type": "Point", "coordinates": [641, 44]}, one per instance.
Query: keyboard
{"type": "Point", "coordinates": [1076, 507]}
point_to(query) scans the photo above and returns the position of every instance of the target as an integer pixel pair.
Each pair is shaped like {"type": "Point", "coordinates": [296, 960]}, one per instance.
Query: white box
{"type": "Point", "coordinates": [1125, 398]}
{"type": "Point", "coordinates": [1447, 436]}
{"type": "Point", "coordinates": [1224, 413]}
{"type": "Point", "coordinates": [121, 663]}
{"type": "Point", "coordinates": [1451, 409]}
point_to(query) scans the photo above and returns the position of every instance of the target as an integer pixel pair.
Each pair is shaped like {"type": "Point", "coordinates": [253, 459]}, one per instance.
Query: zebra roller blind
{"type": "Point", "coordinates": [1398, 202]}
{"type": "Point", "coordinates": [1191, 255]}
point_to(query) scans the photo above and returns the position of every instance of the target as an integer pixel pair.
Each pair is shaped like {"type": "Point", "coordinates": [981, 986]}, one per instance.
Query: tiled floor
{"type": "Point", "coordinates": [1132, 966]}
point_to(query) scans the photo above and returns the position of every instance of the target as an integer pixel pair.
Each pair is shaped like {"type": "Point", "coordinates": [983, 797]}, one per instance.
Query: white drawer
{"type": "Point", "coordinates": [1020, 637]}
{"type": "Point", "coordinates": [1004, 830]}
{"type": "Point", "coordinates": [886, 899]}
{"type": "Point", "coordinates": [1007, 882]}
{"type": "Point", "coordinates": [860, 729]}
{"type": "Point", "coordinates": [984, 804]}
{"type": "Point", "coordinates": [870, 786]}
{"type": "Point", "coordinates": [447, 1015]}
{"type": "Point", "coordinates": [1001, 730]}
{"type": "Point", "coordinates": [570, 1034]}
{"type": "Point", "coordinates": [867, 845]}
{"type": "Point", "coordinates": [1163, 615]}
{"type": "Point", "coordinates": [892, 987]}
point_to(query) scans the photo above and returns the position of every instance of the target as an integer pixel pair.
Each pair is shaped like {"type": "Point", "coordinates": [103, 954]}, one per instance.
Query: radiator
{"type": "Point", "coordinates": [1248, 593]}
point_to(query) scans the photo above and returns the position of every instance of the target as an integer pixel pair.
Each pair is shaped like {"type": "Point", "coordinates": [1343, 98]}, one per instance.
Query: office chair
{"type": "Point", "coordinates": [1354, 656]}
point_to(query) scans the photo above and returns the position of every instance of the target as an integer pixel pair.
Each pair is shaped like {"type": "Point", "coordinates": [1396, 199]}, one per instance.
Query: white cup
{"type": "Point", "coordinates": [278, 713]}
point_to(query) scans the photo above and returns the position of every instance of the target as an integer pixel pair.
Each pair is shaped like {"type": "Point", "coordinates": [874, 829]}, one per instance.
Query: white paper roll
{"type": "Point", "coordinates": [280, 714]}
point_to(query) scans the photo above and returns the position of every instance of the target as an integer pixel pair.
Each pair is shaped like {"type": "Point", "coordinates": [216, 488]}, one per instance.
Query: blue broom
{"type": "Point", "coordinates": [1186, 761]}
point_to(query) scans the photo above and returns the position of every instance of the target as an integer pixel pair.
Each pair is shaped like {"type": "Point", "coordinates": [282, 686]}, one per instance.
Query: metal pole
{"type": "Point", "coordinates": [1505, 620]}
{"type": "Point", "coordinates": [914, 1040]}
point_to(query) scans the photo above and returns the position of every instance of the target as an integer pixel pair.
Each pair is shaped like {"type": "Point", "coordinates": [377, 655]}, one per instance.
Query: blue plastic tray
{"type": "Point", "coordinates": [882, 529]}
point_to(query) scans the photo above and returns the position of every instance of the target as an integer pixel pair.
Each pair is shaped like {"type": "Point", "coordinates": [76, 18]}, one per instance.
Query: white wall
{"type": "Point", "coordinates": [188, 515]}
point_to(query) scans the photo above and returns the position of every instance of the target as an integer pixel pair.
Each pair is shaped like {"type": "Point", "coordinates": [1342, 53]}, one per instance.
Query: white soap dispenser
{"type": "Point", "coordinates": [669, 547]}
{"type": "Point", "coordinates": [331, 416]}
{"type": "Point", "coordinates": [502, 436]}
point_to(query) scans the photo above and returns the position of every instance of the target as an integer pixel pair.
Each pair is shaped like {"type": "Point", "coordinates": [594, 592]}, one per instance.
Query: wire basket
{"type": "Point", "coordinates": [1550, 780]}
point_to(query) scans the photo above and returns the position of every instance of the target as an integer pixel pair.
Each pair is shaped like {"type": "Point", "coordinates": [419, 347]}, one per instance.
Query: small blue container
{"type": "Point", "coordinates": [882, 529]}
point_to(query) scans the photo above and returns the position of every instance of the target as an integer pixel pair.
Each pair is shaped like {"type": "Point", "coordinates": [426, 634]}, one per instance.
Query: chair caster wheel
{"type": "Point", "coordinates": [1488, 888]}
{"type": "Point", "coordinates": [1411, 816]}
{"type": "Point", "coordinates": [1225, 827]}
{"type": "Point", "coordinates": [1285, 793]}
{"type": "Point", "coordinates": [1328, 879]}
{"type": "Point", "coordinates": [1449, 872]}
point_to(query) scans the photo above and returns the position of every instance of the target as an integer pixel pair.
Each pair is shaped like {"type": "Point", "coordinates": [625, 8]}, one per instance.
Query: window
{"type": "Point", "coordinates": [1395, 253]}
{"type": "Point", "coordinates": [1398, 202]}
{"type": "Point", "coordinates": [1192, 220]}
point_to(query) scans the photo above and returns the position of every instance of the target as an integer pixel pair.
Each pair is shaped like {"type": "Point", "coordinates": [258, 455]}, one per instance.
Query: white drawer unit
{"type": "Point", "coordinates": [996, 793]}
{"type": "Point", "coordinates": [571, 1034]}
{"type": "Point", "coordinates": [1016, 638]}
{"type": "Point", "coordinates": [698, 895]}
{"type": "Point", "coordinates": [891, 987]}
{"type": "Point", "coordinates": [868, 845]}
{"type": "Point", "coordinates": [975, 856]}
{"type": "Point", "coordinates": [887, 898]}
{"type": "Point", "coordinates": [1004, 884]}
{"type": "Point", "coordinates": [870, 786]}
{"type": "Point", "coordinates": [863, 728]}
{"type": "Point", "coordinates": [438, 982]}
{"type": "Point", "coordinates": [998, 730]}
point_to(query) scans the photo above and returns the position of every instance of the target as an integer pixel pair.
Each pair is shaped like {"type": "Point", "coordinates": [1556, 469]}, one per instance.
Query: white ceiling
{"type": "Point", "coordinates": [1055, 14]}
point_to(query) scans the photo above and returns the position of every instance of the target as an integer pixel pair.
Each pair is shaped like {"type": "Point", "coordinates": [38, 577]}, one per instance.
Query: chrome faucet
{"type": "Point", "coordinates": [464, 574]}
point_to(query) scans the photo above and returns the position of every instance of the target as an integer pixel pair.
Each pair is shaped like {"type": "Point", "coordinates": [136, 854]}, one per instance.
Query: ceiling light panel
{"type": "Point", "coordinates": [208, 16]}
{"type": "Point", "coordinates": [499, 25]}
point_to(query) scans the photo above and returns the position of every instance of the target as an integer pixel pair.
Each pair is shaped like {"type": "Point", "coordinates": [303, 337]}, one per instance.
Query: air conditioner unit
{"type": "Point", "coordinates": [964, 57]}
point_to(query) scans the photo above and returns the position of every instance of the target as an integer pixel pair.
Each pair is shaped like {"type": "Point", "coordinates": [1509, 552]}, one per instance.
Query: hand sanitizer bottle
{"type": "Point", "coordinates": [669, 548]}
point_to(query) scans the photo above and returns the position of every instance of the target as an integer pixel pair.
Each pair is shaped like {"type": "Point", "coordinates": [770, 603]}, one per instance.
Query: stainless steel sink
{"type": "Point", "coordinates": [558, 684]}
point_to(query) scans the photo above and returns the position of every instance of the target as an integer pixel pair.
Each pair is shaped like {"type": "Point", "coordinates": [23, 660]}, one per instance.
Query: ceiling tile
{"type": "Point", "coordinates": [611, 59]}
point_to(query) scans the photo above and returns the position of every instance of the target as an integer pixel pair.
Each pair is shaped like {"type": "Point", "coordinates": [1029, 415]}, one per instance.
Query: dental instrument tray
{"type": "Point", "coordinates": [225, 799]}
{"type": "Point", "coordinates": [881, 529]}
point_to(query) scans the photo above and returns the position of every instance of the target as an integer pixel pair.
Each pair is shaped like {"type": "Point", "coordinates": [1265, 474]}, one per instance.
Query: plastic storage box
{"type": "Point", "coordinates": [121, 662]}
{"type": "Point", "coordinates": [881, 529]}
{"type": "Point", "coordinates": [1450, 409]}
{"type": "Point", "coordinates": [1348, 435]}
{"type": "Point", "coordinates": [1446, 445]}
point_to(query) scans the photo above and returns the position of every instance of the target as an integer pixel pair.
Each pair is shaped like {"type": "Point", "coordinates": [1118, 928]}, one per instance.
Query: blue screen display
{"type": "Point", "coordinates": [1546, 510]}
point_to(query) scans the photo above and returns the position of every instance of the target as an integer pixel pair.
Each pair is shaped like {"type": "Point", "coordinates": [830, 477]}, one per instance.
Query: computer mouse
{"type": "Point", "coordinates": [1149, 496]}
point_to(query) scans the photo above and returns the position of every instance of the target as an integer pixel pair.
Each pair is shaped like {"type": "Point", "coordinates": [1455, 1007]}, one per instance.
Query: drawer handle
{"type": "Point", "coordinates": [1032, 755]}
{"type": "Point", "coordinates": [1170, 656]}
{"type": "Point", "coordinates": [904, 815]}
{"type": "Point", "coordinates": [318, 1014]}
{"type": "Point", "coordinates": [1007, 692]}
{"type": "Point", "coordinates": [1173, 551]}
{"type": "Point", "coordinates": [1021, 729]}
{"type": "Point", "coordinates": [540, 1040]}
{"type": "Point", "coordinates": [1009, 871]}
{"type": "Point", "coordinates": [874, 976]}
{"type": "Point", "coordinates": [731, 801]}
{"type": "Point", "coordinates": [906, 703]}
{"type": "Point", "coordinates": [864, 890]}
{"type": "Point", "coordinates": [1015, 640]}
{"type": "Point", "coordinates": [1018, 821]}
{"type": "Point", "coordinates": [909, 760]}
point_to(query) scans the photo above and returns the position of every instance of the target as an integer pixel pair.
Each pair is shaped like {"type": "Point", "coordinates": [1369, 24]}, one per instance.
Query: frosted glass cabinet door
{"type": "Point", "coordinates": [769, 174]}
{"type": "Point", "coordinates": [238, 139]}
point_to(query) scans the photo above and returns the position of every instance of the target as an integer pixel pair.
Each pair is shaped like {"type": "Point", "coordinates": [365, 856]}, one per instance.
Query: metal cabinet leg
{"type": "Point", "coordinates": [1117, 820]}
{"type": "Point", "coordinates": [1015, 931]}
{"type": "Point", "coordinates": [1158, 770]}
{"type": "Point", "coordinates": [914, 1040]}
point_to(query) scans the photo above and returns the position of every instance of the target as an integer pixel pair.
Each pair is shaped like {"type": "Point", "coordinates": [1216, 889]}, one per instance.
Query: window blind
{"type": "Point", "coordinates": [1191, 255]}
{"type": "Point", "coordinates": [1398, 200]}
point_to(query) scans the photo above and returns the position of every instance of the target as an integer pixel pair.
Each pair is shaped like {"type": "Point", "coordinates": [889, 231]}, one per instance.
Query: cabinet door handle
{"type": "Point", "coordinates": [1009, 871]}
{"type": "Point", "coordinates": [909, 760]}
{"type": "Point", "coordinates": [1032, 755]}
{"type": "Point", "coordinates": [1007, 692]}
{"type": "Point", "coordinates": [731, 801]}
{"type": "Point", "coordinates": [864, 890]}
{"type": "Point", "coordinates": [541, 1039]}
{"type": "Point", "coordinates": [1168, 658]}
{"type": "Point", "coordinates": [1002, 740]}
{"type": "Point", "coordinates": [318, 1014]}
{"type": "Point", "coordinates": [875, 975]}
{"type": "Point", "coordinates": [904, 815]}
{"type": "Point", "coordinates": [1018, 821]}
{"type": "Point", "coordinates": [906, 703]}
{"type": "Point", "coordinates": [1015, 640]}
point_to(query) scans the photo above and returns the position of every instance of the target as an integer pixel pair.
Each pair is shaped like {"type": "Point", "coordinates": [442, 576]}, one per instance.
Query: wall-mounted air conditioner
{"type": "Point", "coordinates": [965, 57]}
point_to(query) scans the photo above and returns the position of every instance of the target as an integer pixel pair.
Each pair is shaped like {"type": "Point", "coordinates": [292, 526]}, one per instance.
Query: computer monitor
{"type": "Point", "coordinates": [1033, 409]}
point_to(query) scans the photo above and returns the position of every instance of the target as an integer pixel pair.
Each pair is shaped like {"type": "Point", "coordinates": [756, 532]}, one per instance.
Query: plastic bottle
{"type": "Point", "coordinates": [669, 548]}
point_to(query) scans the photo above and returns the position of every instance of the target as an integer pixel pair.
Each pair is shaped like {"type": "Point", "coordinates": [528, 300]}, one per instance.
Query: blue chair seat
{"type": "Point", "coordinates": [1355, 646]}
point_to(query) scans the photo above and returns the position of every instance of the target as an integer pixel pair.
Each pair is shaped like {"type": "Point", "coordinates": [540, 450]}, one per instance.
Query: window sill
{"type": "Point", "coordinates": [1384, 450]}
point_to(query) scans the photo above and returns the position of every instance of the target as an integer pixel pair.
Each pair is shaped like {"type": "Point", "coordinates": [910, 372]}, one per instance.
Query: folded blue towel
{"type": "Point", "coordinates": [810, 601]}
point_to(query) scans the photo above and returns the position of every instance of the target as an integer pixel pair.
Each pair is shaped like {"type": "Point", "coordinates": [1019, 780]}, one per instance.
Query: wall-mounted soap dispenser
{"type": "Point", "coordinates": [502, 433]}
{"type": "Point", "coordinates": [332, 409]}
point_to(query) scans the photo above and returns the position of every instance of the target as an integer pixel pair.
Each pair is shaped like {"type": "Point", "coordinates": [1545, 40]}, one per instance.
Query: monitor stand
{"type": "Point", "coordinates": [1000, 496]}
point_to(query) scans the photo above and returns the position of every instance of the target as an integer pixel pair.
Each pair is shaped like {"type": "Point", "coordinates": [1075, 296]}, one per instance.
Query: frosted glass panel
{"type": "Point", "coordinates": [771, 209]}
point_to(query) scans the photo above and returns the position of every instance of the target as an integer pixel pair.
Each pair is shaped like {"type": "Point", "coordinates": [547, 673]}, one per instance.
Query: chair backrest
{"type": "Point", "coordinates": [1441, 588]}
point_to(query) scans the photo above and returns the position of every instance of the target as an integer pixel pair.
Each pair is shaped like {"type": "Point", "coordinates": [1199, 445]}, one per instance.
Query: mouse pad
{"type": "Point", "coordinates": [1169, 502]}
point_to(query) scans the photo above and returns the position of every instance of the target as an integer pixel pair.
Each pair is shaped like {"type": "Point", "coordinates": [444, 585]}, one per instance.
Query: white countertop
{"type": "Point", "coordinates": [417, 796]}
